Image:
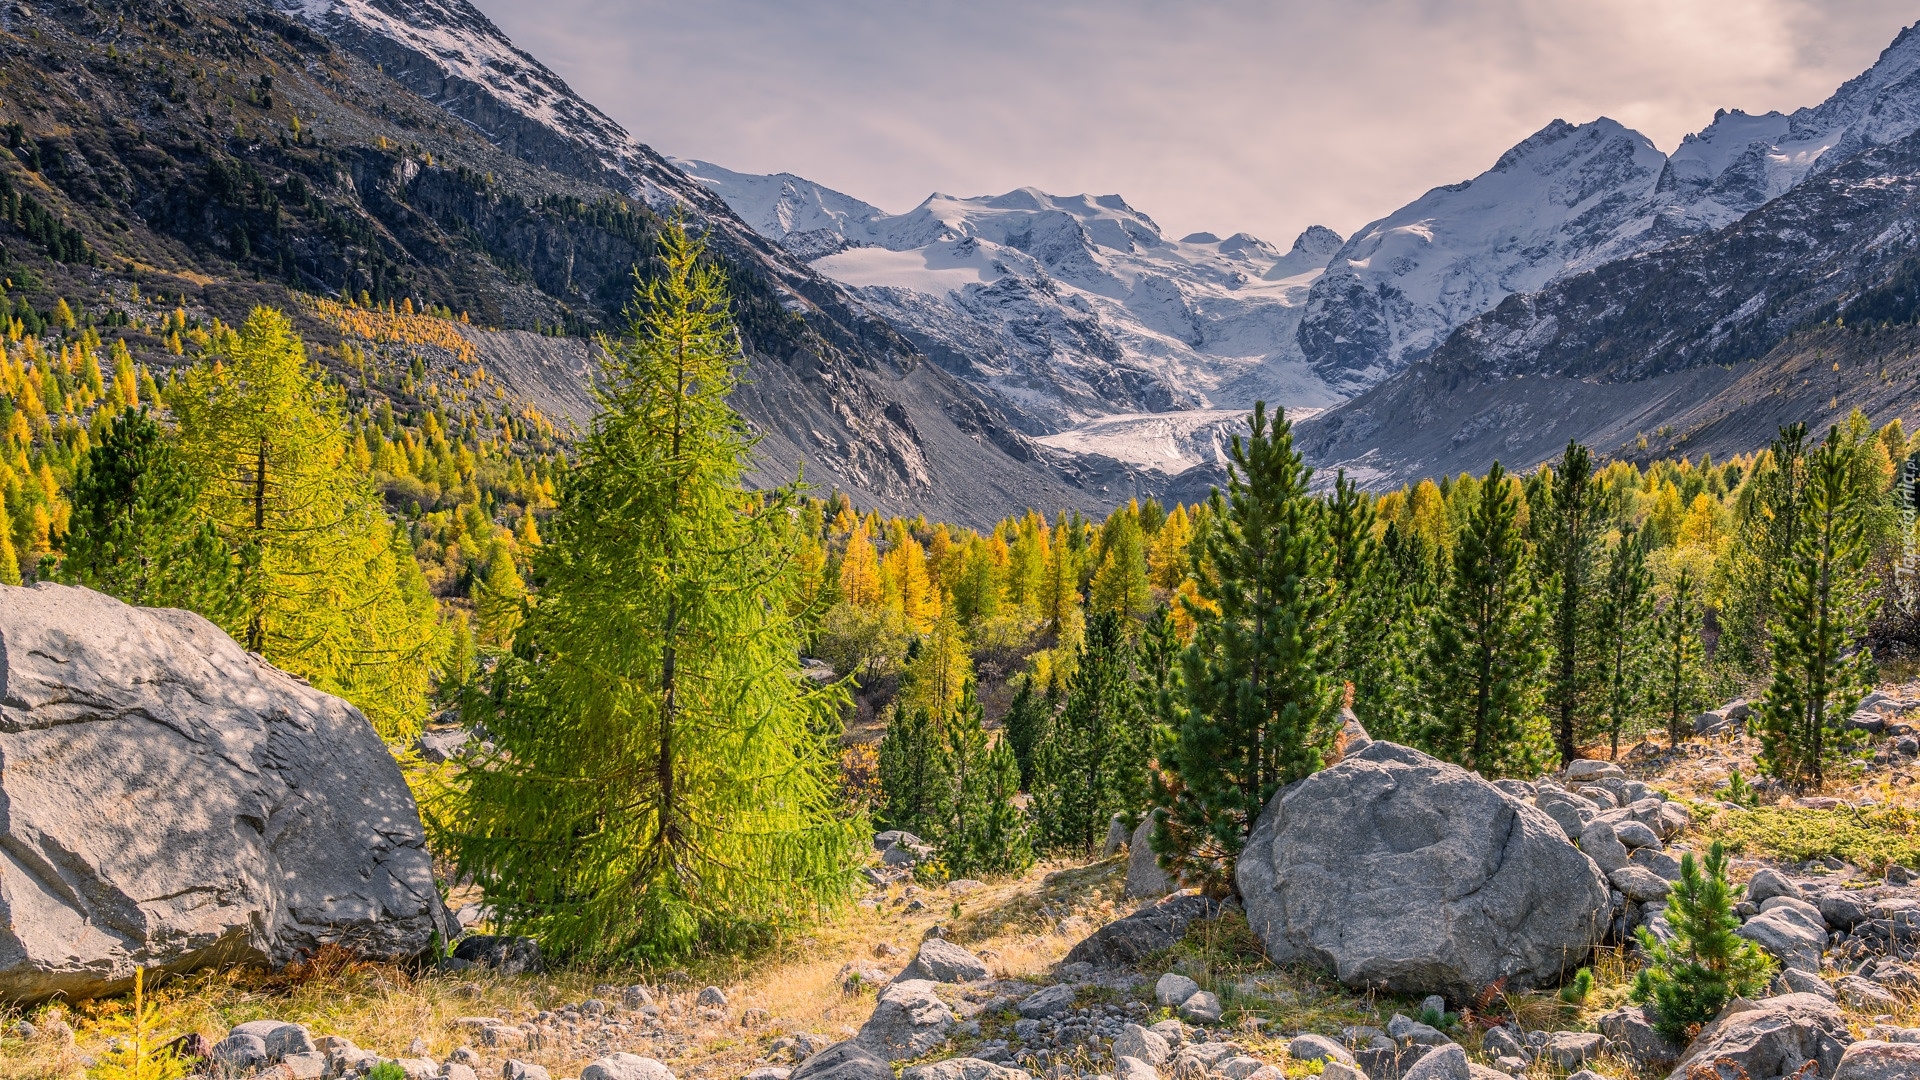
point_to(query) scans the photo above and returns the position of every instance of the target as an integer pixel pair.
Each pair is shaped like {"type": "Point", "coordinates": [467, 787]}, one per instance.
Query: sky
{"type": "Point", "coordinates": [1225, 117]}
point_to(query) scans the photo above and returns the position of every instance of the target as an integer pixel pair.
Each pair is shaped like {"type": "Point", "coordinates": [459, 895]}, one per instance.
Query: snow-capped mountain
{"type": "Point", "coordinates": [1573, 197]}
{"type": "Point", "coordinates": [1063, 308]}
{"type": "Point", "coordinates": [1400, 285]}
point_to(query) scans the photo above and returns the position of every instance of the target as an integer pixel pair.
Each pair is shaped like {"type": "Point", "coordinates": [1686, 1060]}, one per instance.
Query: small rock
{"type": "Point", "coordinates": [849, 1060]}
{"type": "Point", "coordinates": [1635, 835]}
{"type": "Point", "coordinates": [1145, 878]}
{"type": "Point", "coordinates": [1502, 1042]}
{"type": "Point", "coordinates": [1174, 988]}
{"type": "Point", "coordinates": [23, 1030]}
{"type": "Point", "coordinates": [767, 1072]}
{"type": "Point", "coordinates": [1794, 937]}
{"type": "Point", "coordinates": [1865, 996]}
{"type": "Point", "coordinates": [1173, 1031]}
{"type": "Point", "coordinates": [1127, 1067]}
{"type": "Point", "coordinates": [1639, 884]}
{"type": "Point", "coordinates": [1873, 1060]}
{"type": "Point", "coordinates": [1310, 1047]}
{"type": "Point", "coordinates": [908, 1021]}
{"type": "Point", "coordinates": [712, 997]}
{"type": "Point", "coordinates": [241, 1053]}
{"type": "Point", "coordinates": [1238, 1067]}
{"type": "Point", "coordinates": [1201, 1008]}
{"type": "Point", "coordinates": [1117, 836]}
{"type": "Point", "coordinates": [1768, 883]}
{"type": "Point", "coordinates": [1598, 840]}
{"type": "Point", "coordinates": [1138, 1042]}
{"type": "Point", "coordinates": [636, 997]}
{"type": "Point", "coordinates": [1801, 982]}
{"type": "Point", "coordinates": [940, 960]}
{"type": "Point", "coordinates": [965, 1068]}
{"type": "Point", "coordinates": [312, 1065]}
{"type": "Point", "coordinates": [453, 1070]}
{"type": "Point", "coordinates": [416, 1049]}
{"type": "Point", "coordinates": [625, 1067]}
{"type": "Point", "coordinates": [1405, 1029]}
{"type": "Point", "coordinates": [505, 955]}
{"type": "Point", "coordinates": [1661, 863]}
{"type": "Point", "coordinates": [1340, 1070]}
{"type": "Point", "coordinates": [1567, 1049]}
{"type": "Point", "coordinates": [1586, 771]}
{"type": "Point", "coordinates": [1447, 1062]}
{"type": "Point", "coordinates": [1048, 1001]}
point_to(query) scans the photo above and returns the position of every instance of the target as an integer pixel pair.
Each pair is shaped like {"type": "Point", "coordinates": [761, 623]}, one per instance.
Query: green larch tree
{"type": "Point", "coordinates": [663, 779]}
{"type": "Point", "coordinates": [328, 588]}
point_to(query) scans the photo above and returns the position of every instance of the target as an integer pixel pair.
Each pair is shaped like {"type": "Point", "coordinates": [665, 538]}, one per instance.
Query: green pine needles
{"type": "Point", "coordinates": [1486, 644]}
{"type": "Point", "coordinates": [1093, 762]}
{"type": "Point", "coordinates": [662, 781]}
{"type": "Point", "coordinates": [1257, 708]}
{"type": "Point", "coordinates": [1688, 980]}
{"type": "Point", "coordinates": [1822, 601]}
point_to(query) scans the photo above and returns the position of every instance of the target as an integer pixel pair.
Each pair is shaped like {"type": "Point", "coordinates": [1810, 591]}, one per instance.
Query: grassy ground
{"type": "Point", "coordinates": [1021, 927]}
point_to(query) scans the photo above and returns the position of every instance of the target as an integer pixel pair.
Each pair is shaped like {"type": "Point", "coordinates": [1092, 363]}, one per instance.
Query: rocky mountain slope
{"type": "Point", "coordinates": [1061, 309]}
{"type": "Point", "coordinates": [224, 154]}
{"type": "Point", "coordinates": [1572, 198]}
{"type": "Point", "coordinates": [1800, 310]}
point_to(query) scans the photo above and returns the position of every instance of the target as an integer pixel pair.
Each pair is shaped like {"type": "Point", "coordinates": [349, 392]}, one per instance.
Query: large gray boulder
{"type": "Point", "coordinates": [168, 800]}
{"type": "Point", "coordinates": [908, 1021]}
{"type": "Point", "coordinates": [1402, 872]}
{"type": "Point", "coordinates": [1771, 1040]}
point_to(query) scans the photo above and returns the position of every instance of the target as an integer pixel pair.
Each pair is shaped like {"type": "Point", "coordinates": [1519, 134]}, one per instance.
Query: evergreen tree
{"type": "Point", "coordinates": [1679, 661]}
{"type": "Point", "coordinates": [1025, 726]}
{"type": "Point", "coordinates": [1092, 764]}
{"type": "Point", "coordinates": [914, 784]}
{"type": "Point", "coordinates": [1256, 709]}
{"type": "Point", "coordinates": [1569, 520]}
{"type": "Point", "coordinates": [1367, 649]}
{"type": "Point", "coordinates": [983, 831]}
{"type": "Point", "coordinates": [1765, 540]}
{"type": "Point", "coordinates": [1689, 980]}
{"type": "Point", "coordinates": [1822, 602]}
{"type": "Point", "coordinates": [1484, 656]}
{"type": "Point", "coordinates": [1623, 634]}
{"type": "Point", "coordinates": [328, 588]}
{"type": "Point", "coordinates": [662, 781]}
{"type": "Point", "coordinates": [135, 532]}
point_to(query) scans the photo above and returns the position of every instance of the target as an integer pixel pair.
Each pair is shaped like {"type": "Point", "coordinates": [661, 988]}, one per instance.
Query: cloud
{"type": "Point", "coordinates": [1264, 117]}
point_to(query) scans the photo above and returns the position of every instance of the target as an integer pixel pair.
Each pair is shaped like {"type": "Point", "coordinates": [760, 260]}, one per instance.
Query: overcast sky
{"type": "Point", "coordinates": [1262, 117]}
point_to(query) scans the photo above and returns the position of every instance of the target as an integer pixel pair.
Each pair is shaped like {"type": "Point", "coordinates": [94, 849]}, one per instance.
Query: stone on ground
{"type": "Point", "coordinates": [1793, 932]}
{"type": "Point", "coordinates": [1768, 883]}
{"type": "Point", "coordinates": [1447, 1062]}
{"type": "Point", "coordinates": [1602, 844]}
{"type": "Point", "coordinates": [1117, 836]}
{"type": "Point", "coordinates": [1145, 879]}
{"type": "Point", "coordinates": [1138, 1042]}
{"type": "Point", "coordinates": [1310, 1047]}
{"type": "Point", "coordinates": [1570, 1048]}
{"type": "Point", "coordinates": [1630, 1032]}
{"type": "Point", "coordinates": [1201, 1008]}
{"type": "Point", "coordinates": [908, 1021]}
{"type": "Point", "coordinates": [1048, 1001]}
{"type": "Point", "coordinates": [965, 1068]}
{"type": "Point", "coordinates": [1153, 928]}
{"type": "Point", "coordinates": [208, 807]}
{"type": "Point", "coordinates": [1128, 1067]}
{"type": "Point", "coordinates": [1174, 988]}
{"type": "Point", "coordinates": [850, 1060]}
{"type": "Point", "coordinates": [1773, 1038]}
{"type": "Point", "coordinates": [1401, 872]}
{"type": "Point", "coordinates": [940, 960]}
{"type": "Point", "coordinates": [1865, 995]}
{"type": "Point", "coordinates": [1873, 1060]}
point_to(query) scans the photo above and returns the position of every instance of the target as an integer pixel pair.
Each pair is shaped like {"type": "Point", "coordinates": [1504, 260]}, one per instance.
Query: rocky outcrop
{"type": "Point", "coordinates": [1401, 872]}
{"type": "Point", "coordinates": [1155, 927]}
{"type": "Point", "coordinates": [169, 800]}
{"type": "Point", "coordinates": [1772, 1039]}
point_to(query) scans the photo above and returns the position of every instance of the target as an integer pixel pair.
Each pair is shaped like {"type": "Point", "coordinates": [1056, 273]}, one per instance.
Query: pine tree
{"type": "Point", "coordinates": [662, 781]}
{"type": "Point", "coordinates": [1679, 660]}
{"type": "Point", "coordinates": [1569, 524]}
{"type": "Point", "coordinates": [1690, 979]}
{"type": "Point", "coordinates": [982, 831]}
{"type": "Point", "coordinates": [1623, 634]}
{"type": "Point", "coordinates": [1822, 603]}
{"type": "Point", "coordinates": [914, 784]}
{"type": "Point", "coordinates": [1025, 727]}
{"type": "Point", "coordinates": [1092, 764]}
{"type": "Point", "coordinates": [1256, 709]}
{"type": "Point", "coordinates": [135, 532]}
{"type": "Point", "coordinates": [328, 588]}
{"type": "Point", "coordinates": [1765, 540]}
{"type": "Point", "coordinates": [1367, 649]}
{"type": "Point", "coordinates": [1484, 656]}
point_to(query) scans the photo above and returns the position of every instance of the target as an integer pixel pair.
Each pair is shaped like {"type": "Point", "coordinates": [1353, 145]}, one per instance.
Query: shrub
{"type": "Point", "coordinates": [1688, 980]}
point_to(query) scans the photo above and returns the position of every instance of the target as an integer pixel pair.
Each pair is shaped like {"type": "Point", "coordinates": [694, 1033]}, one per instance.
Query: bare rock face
{"type": "Point", "coordinates": [168, 800]}
{"type": "Point", "coordinates": [1398, 871]}
{"type": "Point", "coordinates": [1771, 1040]}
